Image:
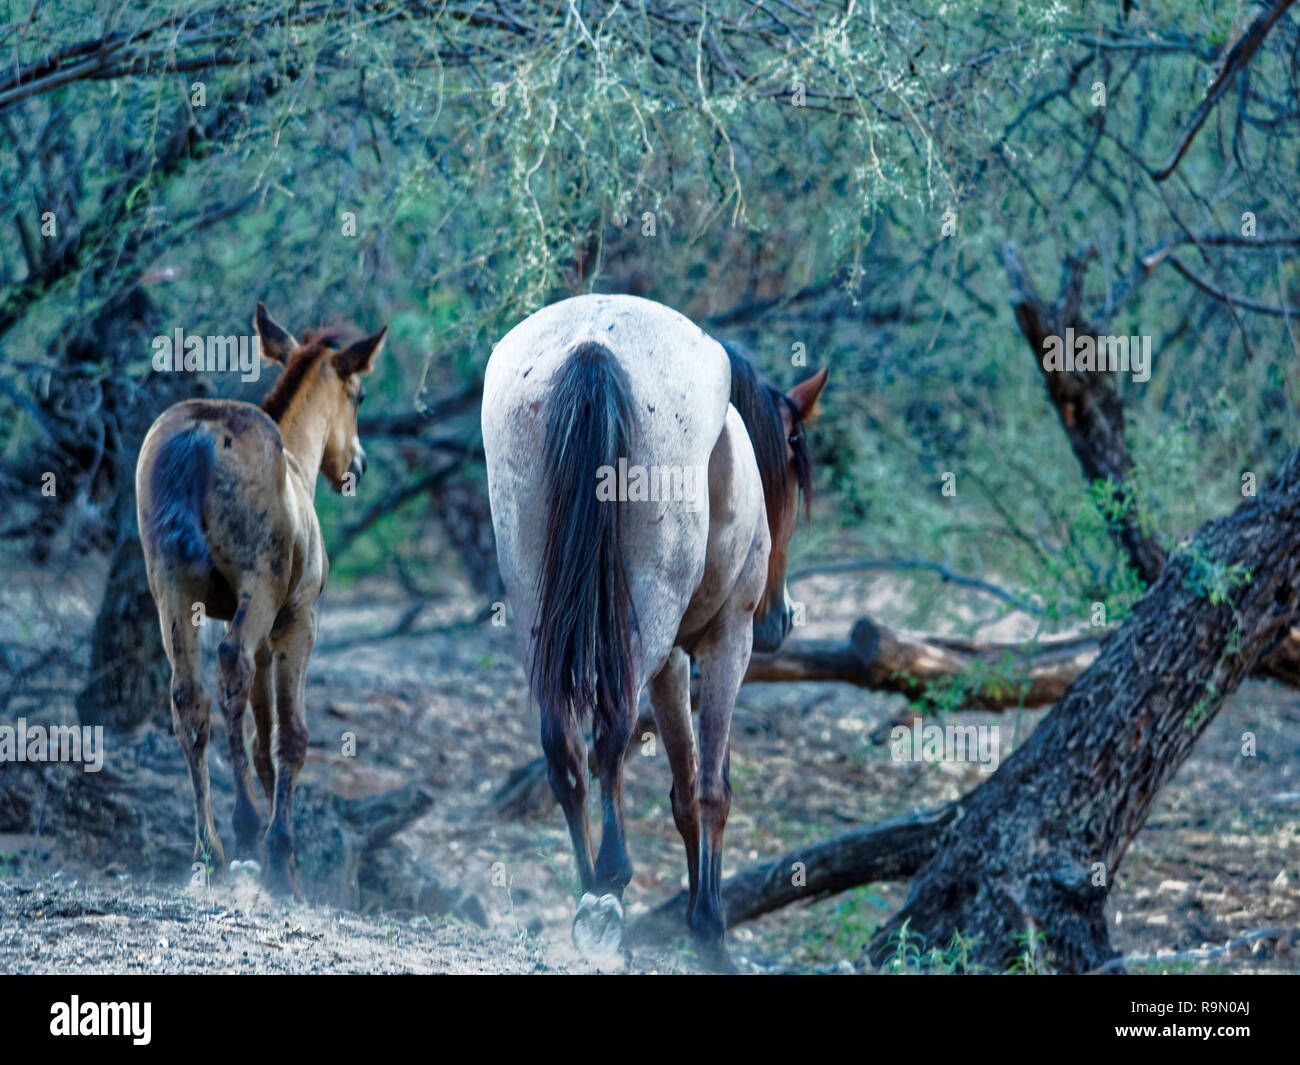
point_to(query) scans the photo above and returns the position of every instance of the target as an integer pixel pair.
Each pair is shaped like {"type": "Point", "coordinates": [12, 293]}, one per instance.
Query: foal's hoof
{"type": "Point", "coordinates": [598, 926]}
{"type": "Point", "coordinates": [278, 880]}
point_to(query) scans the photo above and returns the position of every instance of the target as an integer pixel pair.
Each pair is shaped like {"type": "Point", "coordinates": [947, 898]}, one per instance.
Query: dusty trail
{"type": "Point", "coordinates": [126, 927]}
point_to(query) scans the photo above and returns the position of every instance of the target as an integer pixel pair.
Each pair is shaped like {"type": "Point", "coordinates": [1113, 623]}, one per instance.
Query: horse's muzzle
{"type": "Point", "coordinates": [357, 468]}
{"type": "Point", "coordinates": [770, 632]}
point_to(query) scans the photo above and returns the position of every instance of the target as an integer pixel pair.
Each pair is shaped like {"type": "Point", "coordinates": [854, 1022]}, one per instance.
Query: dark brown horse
{"type": "Point", "coordinates": [226, 508]}
{"type": "Point", "coordinates": [612, 593]}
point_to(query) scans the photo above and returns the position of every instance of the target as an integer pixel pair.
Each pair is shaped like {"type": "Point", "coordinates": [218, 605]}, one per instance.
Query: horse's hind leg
{"type": "Point", "coordinates": [723, 656]}
{"type": "Point", "coordinates": [613, 867]}
{"type": "Point", "coordinates": [566, 768]}
{"type": "Point", "coordinates": [235, 671]}
{"type": "Point", "coordinates": [292, 651]}
{"type": "Point", "coordinates": [670, 699]}
{"type": "Point", "coordinates": [191, 722]}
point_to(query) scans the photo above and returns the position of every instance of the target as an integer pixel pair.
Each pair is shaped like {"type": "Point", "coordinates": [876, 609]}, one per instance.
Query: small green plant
{"type": "Point", "coordinates": [208, 861]}
{"type": "Point", "coordinates": [1202, 707]}
{"type": "Point", "coordinates": [1113, 500]}
{"type": "Point", "coordinates": [907, 952]}
{"type": "Point", "coordinates": [1213, 580]}
{"type": "Point", "coordinates": [1031, 958]}
{"type": "Point", "coordinates": [911, 957]}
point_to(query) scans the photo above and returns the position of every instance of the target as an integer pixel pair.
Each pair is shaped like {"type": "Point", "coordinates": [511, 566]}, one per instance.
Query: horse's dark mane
{"type": "Point", "coordinates": [314, 343]}
{"type": "Point", "coordinates": [759, 403]}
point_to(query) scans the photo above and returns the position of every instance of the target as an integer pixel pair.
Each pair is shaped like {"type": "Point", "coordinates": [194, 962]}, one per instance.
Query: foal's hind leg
{"type": "Point", "coordinates": [670, 699]}
{"type": "Point", "coordinates": [235, 671]}
{"type": "Point", "coordinates": [192, 722]}
{"type": "Point", "coordinates": [262, 701]}
{"type": "Point", "coordinates": [292, 650]}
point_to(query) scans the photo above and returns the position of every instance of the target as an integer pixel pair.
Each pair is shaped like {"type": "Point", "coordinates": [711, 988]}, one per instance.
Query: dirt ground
{"type": "Point", "coordinates": [1218, 859]}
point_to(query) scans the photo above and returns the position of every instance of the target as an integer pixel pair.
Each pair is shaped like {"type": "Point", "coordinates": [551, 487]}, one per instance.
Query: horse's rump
{"type": "Point", "coordinates": [655, 376]}
{"type": "Point", "coordinates": [210, 493]}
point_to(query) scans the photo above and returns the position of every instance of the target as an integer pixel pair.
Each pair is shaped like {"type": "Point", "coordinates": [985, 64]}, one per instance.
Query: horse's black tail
{"type": "Point", "coordinates": [583, 649]}
{"type": "Point", "coordinates": [178, 485]}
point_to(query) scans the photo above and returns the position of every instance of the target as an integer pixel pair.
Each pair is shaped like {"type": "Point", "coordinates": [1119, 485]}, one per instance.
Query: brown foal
{"type": "Point", "coordinates": [226, 506]}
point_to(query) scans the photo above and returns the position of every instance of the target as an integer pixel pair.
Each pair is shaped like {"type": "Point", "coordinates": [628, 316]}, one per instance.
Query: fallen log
{"type": "Point", "coordinates": [891, 850]}
{"type": "Point", "coordinates": [1001, 675]}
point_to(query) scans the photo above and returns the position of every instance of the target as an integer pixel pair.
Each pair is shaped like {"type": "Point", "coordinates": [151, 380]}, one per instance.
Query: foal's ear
{"type": "Point", "coordinates": [804, 394]}
{"type": "Point", "coordinates": [277, 342]}
{"type": "Point", "coordinates": [359, 358]}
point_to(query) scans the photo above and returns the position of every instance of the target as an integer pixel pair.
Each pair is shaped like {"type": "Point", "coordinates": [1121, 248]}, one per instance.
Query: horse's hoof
{"type": "Point", "coordinates": [249, 833]}
{"type": "Point", "coordinates": [715, 957]}
{"type": "Point", "coordinates": [598, 926]}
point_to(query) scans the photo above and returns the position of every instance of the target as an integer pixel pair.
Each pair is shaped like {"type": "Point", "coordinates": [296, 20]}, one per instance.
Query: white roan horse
{"type": "Point", "coordinates": [612, 596]}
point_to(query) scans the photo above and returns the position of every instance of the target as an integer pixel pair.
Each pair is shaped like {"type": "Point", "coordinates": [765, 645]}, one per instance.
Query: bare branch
{"type": "Point", "coordinates": [1236, 301]}
{"type": "Point", "coordinates": [1237, 59]}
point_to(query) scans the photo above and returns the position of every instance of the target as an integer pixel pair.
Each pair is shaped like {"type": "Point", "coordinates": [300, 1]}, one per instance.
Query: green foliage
{"type": "Point", "coordinates": [1031, 947]}
{"type": "Point", "coordinates": [910, 957]}
{"type": "Point", "coordinates": [1000, 680]}
{"type": "Point", "coordinates": [1211, 579]}
{"type": "Point", "coordinates": [1201, 708]}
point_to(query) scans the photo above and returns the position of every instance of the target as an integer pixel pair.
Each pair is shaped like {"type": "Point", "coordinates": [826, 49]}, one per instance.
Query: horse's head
{"type": "Point", "coordinates": [322, 381]}
{"type": "Point", "coordinates": [776, 422]}
{"type": "Point", "coordinates": [775, 614]}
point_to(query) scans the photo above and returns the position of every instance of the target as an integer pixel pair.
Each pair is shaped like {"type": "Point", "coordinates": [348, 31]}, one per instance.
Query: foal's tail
{"type": "Point", "coordinates": [583, 649]}
{"type": "Point", "coordinates": [178, 485]}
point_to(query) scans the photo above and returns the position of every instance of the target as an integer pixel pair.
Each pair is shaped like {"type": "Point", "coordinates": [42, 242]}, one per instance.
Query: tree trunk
{"type": "Point", "coordinates": [467, 519]}
{"type": "Point", "coordinates": [129, 676]}
{"type": "Point", "coordinates": [1029, 859]}
{"type": "Point", "coordinates": [1091, 413]}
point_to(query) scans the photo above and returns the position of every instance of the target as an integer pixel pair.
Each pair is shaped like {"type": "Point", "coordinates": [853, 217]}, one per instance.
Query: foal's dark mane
{"type": "Point", "coordinates": [759, 403]}
{"type": "Point", "coordinates": [314, 343]}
